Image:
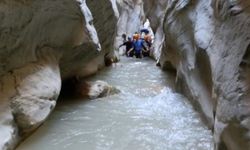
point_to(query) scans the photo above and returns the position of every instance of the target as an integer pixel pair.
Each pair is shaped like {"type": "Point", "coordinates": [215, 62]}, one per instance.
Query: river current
{"type": "Point", "coordinates": [147, 115]}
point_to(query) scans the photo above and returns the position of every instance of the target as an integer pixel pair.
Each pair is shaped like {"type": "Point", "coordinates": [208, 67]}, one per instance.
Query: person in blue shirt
{"type": "Point", "coordinates": [139, 47]}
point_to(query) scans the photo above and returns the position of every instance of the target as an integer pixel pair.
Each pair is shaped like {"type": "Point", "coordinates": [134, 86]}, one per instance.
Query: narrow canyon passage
{"type": "Point", "coordinates": [146, 115]}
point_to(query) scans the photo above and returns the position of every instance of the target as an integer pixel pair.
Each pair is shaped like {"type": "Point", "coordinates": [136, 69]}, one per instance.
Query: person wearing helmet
{"type": "Point", "coordinates": [148, 42]}
{"type": "Point", "coordinates": [136, 36]}
{"type": "Point", "coordinates": [129, 47]}
{"type": "Point", "coordinates": [139, 47]}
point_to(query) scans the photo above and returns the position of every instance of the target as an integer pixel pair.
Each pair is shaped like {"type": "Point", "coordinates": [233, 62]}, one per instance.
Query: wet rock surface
{"type": "Point", "coordinates": [101, 89]}
{"type": "Point", "coordinates": [207, 42]}
{"type": "Point", "coordinates": [41, 44]}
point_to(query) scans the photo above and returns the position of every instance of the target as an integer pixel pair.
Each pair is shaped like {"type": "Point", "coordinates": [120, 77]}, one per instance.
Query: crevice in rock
{"type": "Point", "coordinates": [234, 136]}
{"type": "Point", "coordinates": [82, 88]}
{"type": "Point", "coordinates": [246, 58]}
{"type": "Point", "coordinates": [204, 67]}
{"type": "Point", "coordinates": [167, 65]}
{"type": "Point", "coordinates": [73, 88]}
{"type": "Point", "coordinates": [244, 69]}
{"type": "Point", "coordinates": [222, 146]}
{"type": "Point", "coordinates": [204, 76]}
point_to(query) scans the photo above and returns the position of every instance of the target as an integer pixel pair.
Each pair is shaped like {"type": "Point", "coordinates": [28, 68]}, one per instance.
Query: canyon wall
{"type": "Point", "coordinates": [41, 44]}
{"type": "Point", "coordinates": [130, 19]}
{"type": "Point", "coordinates": [207, 43]}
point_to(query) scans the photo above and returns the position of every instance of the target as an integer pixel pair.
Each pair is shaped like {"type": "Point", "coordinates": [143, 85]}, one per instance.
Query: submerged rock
{"type": "Point", "coordinates": [79, 88]}
{"type": "Point", "coordinates": [99, 89]}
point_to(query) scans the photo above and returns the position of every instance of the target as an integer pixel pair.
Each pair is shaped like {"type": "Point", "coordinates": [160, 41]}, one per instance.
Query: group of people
{"type": "Point", "coordinates": [139, 45]}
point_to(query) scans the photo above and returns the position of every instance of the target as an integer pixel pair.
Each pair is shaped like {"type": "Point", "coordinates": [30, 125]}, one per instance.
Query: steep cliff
{"type": "Point", "coordinates": [207, 42]}
{"type": "Point", "coordinates": [42, 43]}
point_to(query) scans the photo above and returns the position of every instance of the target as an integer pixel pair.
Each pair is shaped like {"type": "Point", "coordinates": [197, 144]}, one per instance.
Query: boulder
{"type": "Point", "coordinates": [97, 89]}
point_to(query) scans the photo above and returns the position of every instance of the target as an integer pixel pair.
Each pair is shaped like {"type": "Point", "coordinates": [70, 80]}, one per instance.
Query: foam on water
{"type": "Point", "coordinates": [146, 115]}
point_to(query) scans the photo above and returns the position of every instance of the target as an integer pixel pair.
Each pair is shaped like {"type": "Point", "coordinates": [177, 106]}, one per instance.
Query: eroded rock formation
{"type": "Point", "coordinates": [131, 18]}
{"type": "Point", "coordinates": [208, 44]}
{"type": "Point", "coordinates": [42, 43]}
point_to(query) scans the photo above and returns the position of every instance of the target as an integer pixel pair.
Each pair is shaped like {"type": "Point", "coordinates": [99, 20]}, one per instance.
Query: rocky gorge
{"type": "Point", "coordinates": [44, 43]}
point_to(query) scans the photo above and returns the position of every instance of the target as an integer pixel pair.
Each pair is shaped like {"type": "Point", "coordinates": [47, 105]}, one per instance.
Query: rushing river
{"type": "Point", "coordinates": [146, 115]}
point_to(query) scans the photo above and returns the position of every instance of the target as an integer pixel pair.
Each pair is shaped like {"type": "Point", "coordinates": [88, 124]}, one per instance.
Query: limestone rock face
{"type": "Point", "coordinates": [155, 11]}
{"type": "Point", "coordinates": [208, 42]}
{"type": "Point", "coordinates": [41, 44]}
{"type": "Point", "coordinates": [105, 22]}
{"type": "Point", "coordinates": [131, 18]}
{"type": "Point", "coordinates": [28, 95]}
{"type": "Point", "coordinates": [44, 42]}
